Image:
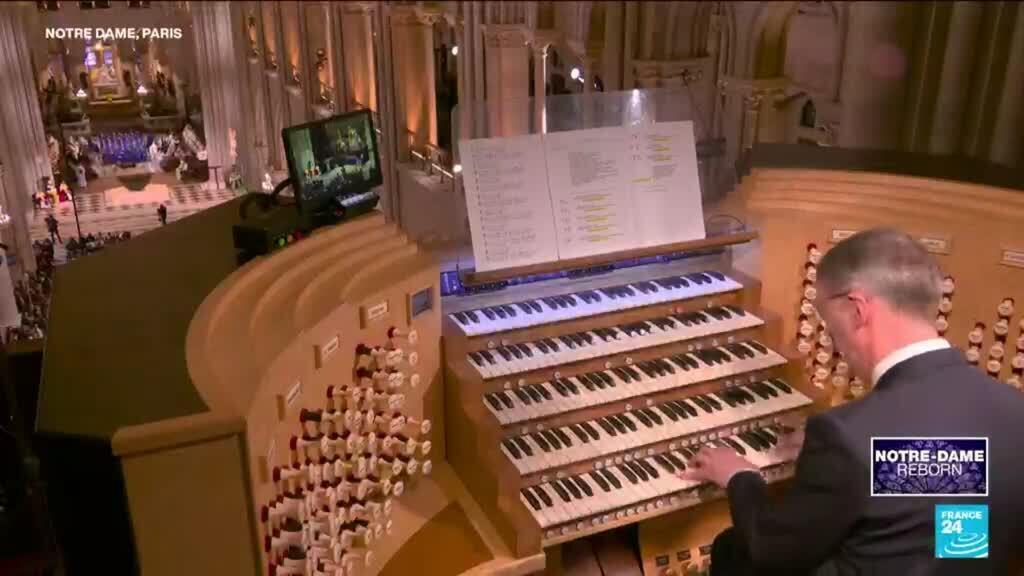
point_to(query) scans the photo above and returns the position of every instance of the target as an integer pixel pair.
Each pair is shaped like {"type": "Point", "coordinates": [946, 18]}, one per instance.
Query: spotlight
{"type": "Point", "coordinates": [142, 91]}
{"type": "Point", "coordinates": [80, 93]}
{"type": "Point", "coordinates": [457, 168]}
{"type": "Point", "coordinates": [575, 73]}
{"type": "Point", "coordinates": [455, 50]}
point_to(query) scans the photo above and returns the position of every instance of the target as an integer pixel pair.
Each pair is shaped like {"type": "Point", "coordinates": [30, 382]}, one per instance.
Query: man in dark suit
{"type": "Point", "coordinates": [878, 292]}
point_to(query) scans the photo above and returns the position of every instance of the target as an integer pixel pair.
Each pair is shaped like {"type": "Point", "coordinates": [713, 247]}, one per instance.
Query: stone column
{"type": "Point", "coordinates": [23, 151]}
{"type": "Point", "coordinates": [751, 115]}
{"type": "Point", "coordinates": [360, 64]}
{"type": "Point", "coordinates": [540, 79]}
{"type": "Point", "coordinates": [413, 48]}
{"type": "Point", "coordinates": [875, 72]}
{"type": "Point", "coordinates": [223, 77]}
{"type": "Point", "coordinates": [1007, 143]}
{"type": "Point", "coordinates": [955, 80]}
{"type": "Point", "coordinates": [508, 72]}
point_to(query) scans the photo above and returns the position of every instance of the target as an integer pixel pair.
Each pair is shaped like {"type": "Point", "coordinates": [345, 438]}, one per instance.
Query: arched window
{"type": "Point", "coordinates": [807, 115]}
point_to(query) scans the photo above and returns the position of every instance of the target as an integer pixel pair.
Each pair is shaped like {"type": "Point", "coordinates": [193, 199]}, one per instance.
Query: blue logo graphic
{"type": "Point", "coordinates": [961, 531]}
{"type": "Point", "coordinates": [929, 466]}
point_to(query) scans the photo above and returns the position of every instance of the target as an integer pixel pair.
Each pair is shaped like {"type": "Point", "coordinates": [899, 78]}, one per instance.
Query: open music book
{"type": "Point", "coordinates": [547, 197]}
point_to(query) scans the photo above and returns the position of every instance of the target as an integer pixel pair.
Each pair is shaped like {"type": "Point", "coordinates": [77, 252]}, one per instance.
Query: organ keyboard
{"type": "Point", "coordinates": [573, 403]}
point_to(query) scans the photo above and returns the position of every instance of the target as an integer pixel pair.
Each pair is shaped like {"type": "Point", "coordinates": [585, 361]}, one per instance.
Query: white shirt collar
{"type": "Point", "coordinates": [906, 353]}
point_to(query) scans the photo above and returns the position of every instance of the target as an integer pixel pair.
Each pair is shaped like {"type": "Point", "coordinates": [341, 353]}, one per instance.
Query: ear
{"type": "Point", "coordinates": [862, 310]}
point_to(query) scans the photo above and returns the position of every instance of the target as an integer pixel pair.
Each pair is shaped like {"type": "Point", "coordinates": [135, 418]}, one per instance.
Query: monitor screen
{"type": "Point", "coordinates": [333, 160]}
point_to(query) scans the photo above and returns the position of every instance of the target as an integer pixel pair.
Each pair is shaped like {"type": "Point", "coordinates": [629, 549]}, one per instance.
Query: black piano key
{"type": "Point", "coordinates": [522, 306]}
{"type": "Point", "coordinates": [651, 470]}
{"type": "Point", "coordinates": [665, 463]}
{"type": "Point", "coordinates": [583, 485]}
{"type": "Point", "coordinates": [600, 480]}
{"type": "Point", "coordinates": [590, 430]}
{"type": "Point", "coordinates": [552, 439]}
{"type": "Point", "coordinates": [462, 318]}
{"type": "Point", "coordinates": [571, 487]}
{"type": "Point", "coordinates": [523, 445]}
{"type": "Point", "coordinates": [781, 385]}
{"type": "Point", "coordinates": [534, 503]}
{"type": "Point", "coordinates": [735, 446]}
{"type": "Point", "coordinates": [562, 493]}
{"type": "Point", "coordinates": [654, 416]}
{"type": "Point", "coordinates": [643, 419]}
{"type": "Point", "coordinates": [543, 495]}
{"type": "Point", "coordinates": [560, 388]}
{"type": "Point", "coordinates": [514, 350]}
{"type": "Point", "coordinates": [541, 441]}
{"type": "Point", "coordinates": [668, 412]}
{"type": "Point", "coordinates": [715, 404]}
{"type": "Point", "coordinates": [509, 310]}
{"type": "Point", "coordinates": [676, 461]}
{"type": "Point", "coordinates": [638, 470]}
{"type": "Point", "coordinates": [628, 473]}
{"type": "Point", "coordinates": [586, 383]}
{"type": "Point", "coordinates": [619, 426]}
{"type": "Point", "coordinates": [497, 311]}
{"type": "Point", "coordinates": [543, 391]}
{"type": "Point", "coordinates": [494, 402]}
{"type": "Point", "coordinates": [512, 448]}
{"type": "Point", "coordinates": [503, 396]}
{"type": "Point", "coordinates": [628, 422]}
{"type": "Point", "coordinates": [535, 305]}
{"type": "Point", "coordinates": [563, 437]}
{"type": "Point", "coordinates": [580, 433]}
{"type": "Point", "coordinates": [757, 346]}
{"type": "Point", "coordinates": [522, 395]}
{"type": "Point", "coordinates": [716, 275]}
{"type": "Point", "coordinates": [611, 478]}
{"type": "Point", "coordinates": [532, 392]}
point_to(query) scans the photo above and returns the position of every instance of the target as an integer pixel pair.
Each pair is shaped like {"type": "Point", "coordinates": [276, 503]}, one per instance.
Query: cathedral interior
{"type": "Point", "coordinates": [373, 399]}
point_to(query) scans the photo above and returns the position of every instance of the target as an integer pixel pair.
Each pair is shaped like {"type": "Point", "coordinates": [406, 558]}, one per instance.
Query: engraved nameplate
{"type": "Point", "coordinates": [1013, 258]}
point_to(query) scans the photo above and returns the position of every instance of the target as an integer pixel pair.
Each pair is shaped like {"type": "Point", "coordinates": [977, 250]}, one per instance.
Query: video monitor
{"type": "Point", "coordinates": [334, 161]}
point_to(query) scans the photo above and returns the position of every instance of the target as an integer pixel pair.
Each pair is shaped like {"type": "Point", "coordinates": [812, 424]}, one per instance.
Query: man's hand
{"type": "Point", "coordinates": [790, 444]}
{"type": "Point", "coordinates": [716, 465]}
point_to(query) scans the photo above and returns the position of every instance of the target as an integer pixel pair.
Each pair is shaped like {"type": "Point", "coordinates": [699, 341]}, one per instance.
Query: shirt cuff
{"type": "Point", "coordinates": [741, 473]}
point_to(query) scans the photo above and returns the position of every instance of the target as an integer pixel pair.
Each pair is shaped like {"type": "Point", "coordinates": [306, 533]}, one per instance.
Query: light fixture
{"type": "Point", "coordinates": [457, 168]}
{"type": "Point", "coordinates": [80, 93]}
{"type": "Point", "coordinates": [574, 73]}
{"type": "Point", "coordinates": [455, 50]}
{"type": "Point", "coordinates": [141, 90]}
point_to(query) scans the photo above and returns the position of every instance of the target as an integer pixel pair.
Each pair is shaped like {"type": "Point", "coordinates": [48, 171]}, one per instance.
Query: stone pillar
{"type": "Point", "coordinates": [540, 79]}
{"type": "Point", "coordinates": [751, 116]}
{"type": "Point", "coordinates": [413, 48]}
{"type": "Point", "coordinates": [23, 151]}
{"type": "Point", "coordinates": [875, 72]}
{"type": "Point", "coordinates": [508, 75]}
{"type": "Point", "coordinates": [223, 77]}
{"type": "Point", "coordinates": [955, 80]}
{"type": "Point", "coordinates": [360, 59]}
{"type": "Point", "coordinates": [1007, 143]}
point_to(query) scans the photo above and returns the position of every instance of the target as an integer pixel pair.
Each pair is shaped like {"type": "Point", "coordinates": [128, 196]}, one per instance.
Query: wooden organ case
{"type": "Point", "coordinates": [802, 200]}
{"type": "Point", "coordinates": [573, 401]}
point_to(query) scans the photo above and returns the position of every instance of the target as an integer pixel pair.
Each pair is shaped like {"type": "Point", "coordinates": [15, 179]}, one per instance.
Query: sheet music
{"type": "Point", "coordinates": [508, 202]}
{"type": "Point", "coordinates": [665, 184]}
{"type": "Point", "coordinates": [562, 195]}
{"type": "Point", "coordinates": [589, 173]}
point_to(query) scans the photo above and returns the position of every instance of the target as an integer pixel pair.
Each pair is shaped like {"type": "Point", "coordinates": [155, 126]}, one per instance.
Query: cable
{"type": "Point", "coordinates": [264, 200]}
{"type": "Point", "coordinates": [741, 223]}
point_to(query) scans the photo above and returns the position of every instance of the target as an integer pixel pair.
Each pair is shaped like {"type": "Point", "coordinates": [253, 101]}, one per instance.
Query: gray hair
{"type": "Point", "coordinates": [889, 264]}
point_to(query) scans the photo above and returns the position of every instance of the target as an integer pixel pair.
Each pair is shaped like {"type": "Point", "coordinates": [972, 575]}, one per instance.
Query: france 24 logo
{"type": "Point", "coordinates": [961, 531]}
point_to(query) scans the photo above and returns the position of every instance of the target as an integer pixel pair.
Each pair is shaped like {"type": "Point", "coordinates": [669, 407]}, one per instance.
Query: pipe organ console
{"type": "Point", "coordinates": [345, 408]}
{"type": "Point", "coordinates": [572, 404]}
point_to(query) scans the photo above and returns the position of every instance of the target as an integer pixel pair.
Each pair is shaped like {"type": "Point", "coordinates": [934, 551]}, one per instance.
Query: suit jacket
{"type": "Point", "coordinates": [828, 524]}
